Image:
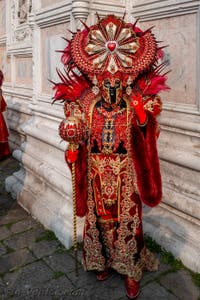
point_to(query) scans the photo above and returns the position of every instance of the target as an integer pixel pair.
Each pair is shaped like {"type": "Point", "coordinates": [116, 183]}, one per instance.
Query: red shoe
{"type": "Point", "coordinates": [132, 288]}
{"type": "Point", "coordinates": [103, 275]}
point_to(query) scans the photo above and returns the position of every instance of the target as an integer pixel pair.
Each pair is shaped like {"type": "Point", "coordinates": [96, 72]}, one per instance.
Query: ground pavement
{"type": "Point", "coordinates": [35, 265]}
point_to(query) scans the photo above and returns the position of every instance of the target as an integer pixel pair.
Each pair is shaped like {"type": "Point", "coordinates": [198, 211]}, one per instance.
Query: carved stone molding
{"type": "Point", "coordinates": [108, 7]}
{"type": "Point", "coordinates": [80, 9]}
{"type": "Point", "coordinates": [2, 40]}
{"type": "Point", "coordinates": [24, 9]}
{"type": "Point", "coordinates": [22, 34]}
{"type": "Point", "coordinates": [19, 21]}
{"type": "Point", "coordinates": [53, 15]}
{"type": "Point", "coordinates": [163, 8]}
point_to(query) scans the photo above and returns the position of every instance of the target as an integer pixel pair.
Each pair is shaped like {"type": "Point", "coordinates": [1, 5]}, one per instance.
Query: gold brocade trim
{"type": "Point", "coordinates": [147, 261]}
{"type": "Point", "coordinates": [151, 104]}
{"type": "Point", "coordinates": [93, 259]}
{"type": "Point", "coordinates": [150, 262]}
{"type": "Point", "coordinates": [126, 244]}
{"type": "Point", "coordinates": [115, 164]}
{"type": "Point", "coordinates": [109, 170]}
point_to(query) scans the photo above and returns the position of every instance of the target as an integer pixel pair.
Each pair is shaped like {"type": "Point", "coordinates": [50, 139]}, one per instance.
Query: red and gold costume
{"type": "Point", "coordinates": [4, 148]}
{"type": "Point", "coordinates": [110, 87]}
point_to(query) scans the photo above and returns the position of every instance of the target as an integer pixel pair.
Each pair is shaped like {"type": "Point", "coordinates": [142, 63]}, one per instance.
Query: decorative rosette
{"type": "Point", "coordinates": [113, 45]}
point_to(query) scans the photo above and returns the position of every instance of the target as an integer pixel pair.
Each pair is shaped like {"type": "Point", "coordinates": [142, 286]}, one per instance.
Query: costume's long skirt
{"type": "Point", "coordinates": [113, 235]}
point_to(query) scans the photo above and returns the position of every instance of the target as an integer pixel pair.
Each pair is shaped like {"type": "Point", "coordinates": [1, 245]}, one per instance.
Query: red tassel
{"type": "Point", "coordinates": [71, 156]}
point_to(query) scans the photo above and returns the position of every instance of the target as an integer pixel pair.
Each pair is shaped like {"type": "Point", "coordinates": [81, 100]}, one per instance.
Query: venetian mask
{"type": "Point", "coordinates": [111, 90]}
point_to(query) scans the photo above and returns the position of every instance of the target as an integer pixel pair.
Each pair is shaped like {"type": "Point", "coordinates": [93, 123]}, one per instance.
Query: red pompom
{"type": "Point", "coordinates": [71, 156]}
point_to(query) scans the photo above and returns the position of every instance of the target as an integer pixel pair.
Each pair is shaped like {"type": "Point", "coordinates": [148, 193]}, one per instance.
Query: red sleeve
{"type": "Point", "coordinates": [146, 162]}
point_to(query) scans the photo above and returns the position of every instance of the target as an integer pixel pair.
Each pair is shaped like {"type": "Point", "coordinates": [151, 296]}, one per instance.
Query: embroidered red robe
{"type": "Point", "coordinates": [117, 169]}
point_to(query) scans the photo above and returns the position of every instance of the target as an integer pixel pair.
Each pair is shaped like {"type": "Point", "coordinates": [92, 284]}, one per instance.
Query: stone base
{"type": "Point", "coordinates": [176, 232]}
{"type": "Point", "coordinates": [40, 189]}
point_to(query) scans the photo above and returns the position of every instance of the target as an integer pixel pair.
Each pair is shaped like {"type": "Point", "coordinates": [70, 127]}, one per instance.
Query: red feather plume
{"type": "Point", "coordinates": [71, 86]}
{"type": "Point", "coordinates": [152, 82]}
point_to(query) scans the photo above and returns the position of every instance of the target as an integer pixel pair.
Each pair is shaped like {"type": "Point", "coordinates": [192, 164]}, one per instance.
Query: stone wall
{"type": "Point", "coordinates": [28, 58]}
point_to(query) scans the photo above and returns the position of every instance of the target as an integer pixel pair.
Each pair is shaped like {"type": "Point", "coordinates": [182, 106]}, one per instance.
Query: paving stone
{"type": "Point", "coordinates": [58, 288]}
{"type": "Point", "coordinates": [4, 232]}
{"type": "Point", "coordinates": [84, 279]}
{"type": "Point", "coordinates": [181, 284]}
{"type": "Point", "coordinates": [151, 276]}
{"type": "Point", "coordinates": [15, 259]}
{"type": "Point", "coordinates": [55, 288]}
{"type": "Point", "coordinates": [5, 198]}
{"type": "Point", "coordinates": [44, 248]}
{"type": "Point", "coordinates": [13, 215]}
{"type": "Point", "coordinates": [2, 249]}
{"type": "Point", "coordinates": [8, 166]}
{"type": "Point", "coordinates": [60, 262]}
{"type": "Point", "coordinates": [2, 288]}
{"type": "Point", "coordinates": [2, 285]}
{"type": "Point", "coordinates": [79, 255]}
{"type": "Point", "coordinates": [112, 288]}
{"type": "Point", "coordinates": [25, 239]}
{"type": "Point", "coordinates": [6, 206]}
{"type": "Point", "coordinates": [28, 277]}
{"type": "Point", "coordinates": [23, 225]}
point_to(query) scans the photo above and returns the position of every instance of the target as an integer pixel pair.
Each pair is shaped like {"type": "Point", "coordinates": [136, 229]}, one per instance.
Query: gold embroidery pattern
{"type": "Point", "coordinates": [109, 171]}
{"type": "Point", "coordinates": [121, 251]}
{"type": "Point", "coordinates": [153, 104]}
{"type": "Point", "coordinates": [149, 261]}
{"type": "Point", "coordinates": [93, 259]}
{"type": "Point", "coordinates": [125, 250]}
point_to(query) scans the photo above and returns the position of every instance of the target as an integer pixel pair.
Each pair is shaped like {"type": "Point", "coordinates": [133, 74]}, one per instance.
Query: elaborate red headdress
{"type": "Point", "coordinates": [111, 48]}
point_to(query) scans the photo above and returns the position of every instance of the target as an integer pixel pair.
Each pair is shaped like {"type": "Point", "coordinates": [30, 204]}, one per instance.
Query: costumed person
{"type": "Point", "coordinates": [4, 147]}
{"type": "Point", "coordinates": [112, 75]}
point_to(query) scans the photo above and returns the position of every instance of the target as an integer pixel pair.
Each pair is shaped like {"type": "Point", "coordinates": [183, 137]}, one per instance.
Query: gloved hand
{"type": "Point", "coordinates": [137, 104]}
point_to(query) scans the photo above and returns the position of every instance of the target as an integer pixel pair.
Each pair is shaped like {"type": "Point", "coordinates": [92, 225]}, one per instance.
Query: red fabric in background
{"type": "Point", "coordinates": [4, 147]}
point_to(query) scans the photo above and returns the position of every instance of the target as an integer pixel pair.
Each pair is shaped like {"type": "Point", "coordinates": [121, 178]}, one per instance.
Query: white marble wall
{"type": "Point", "coordinates": [43, 185]}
